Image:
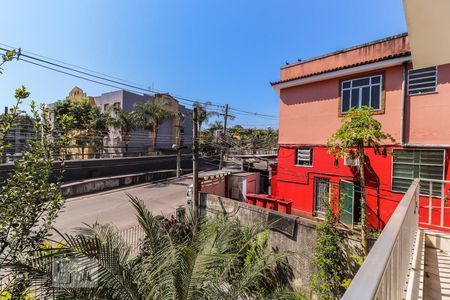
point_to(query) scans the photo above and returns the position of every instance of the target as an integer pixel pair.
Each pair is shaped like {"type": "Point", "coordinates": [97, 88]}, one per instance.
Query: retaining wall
{"type": "Point", "coordinates": [302, 241]}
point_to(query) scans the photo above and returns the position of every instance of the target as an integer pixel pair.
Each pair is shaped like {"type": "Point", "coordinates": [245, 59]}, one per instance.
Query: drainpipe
{"type": "Point", "coordinates": [404, 95]}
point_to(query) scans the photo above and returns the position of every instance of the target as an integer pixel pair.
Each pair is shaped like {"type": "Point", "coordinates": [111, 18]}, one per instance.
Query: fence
{"type": "Point", "coordinates": [133, 237]}
{"type": "Point", "coordinates": [435, 208]}
{"type": "Point", "coordinates": [384, 272]}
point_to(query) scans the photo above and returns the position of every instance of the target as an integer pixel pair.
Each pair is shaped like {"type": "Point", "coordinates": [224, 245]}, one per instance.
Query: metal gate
{"type": "Point", "coordinates": [321, 194]}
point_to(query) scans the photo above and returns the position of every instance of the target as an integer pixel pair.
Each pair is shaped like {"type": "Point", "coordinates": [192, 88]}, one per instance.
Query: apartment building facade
{"type": "Point", "coordinates": [411, 104]}
{"type": "Point", "coordinates": [141, 140]}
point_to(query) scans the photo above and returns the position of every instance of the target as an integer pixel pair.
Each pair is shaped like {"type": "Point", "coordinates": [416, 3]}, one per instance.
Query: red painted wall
{"type": "Point", "coordinates": [296, 183]}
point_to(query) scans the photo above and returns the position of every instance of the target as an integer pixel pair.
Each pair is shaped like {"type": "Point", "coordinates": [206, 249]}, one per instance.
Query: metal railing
{"type": "Point", "coordinates": [133, 236]}
{"type": "Point", "coordinates": [384, 272]}
{"type": "Point", "coordinates": [436, 207]}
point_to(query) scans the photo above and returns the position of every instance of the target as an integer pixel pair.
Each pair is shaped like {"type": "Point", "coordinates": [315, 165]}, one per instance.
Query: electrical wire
{"type": "Point", "coordinates": [132, 87]}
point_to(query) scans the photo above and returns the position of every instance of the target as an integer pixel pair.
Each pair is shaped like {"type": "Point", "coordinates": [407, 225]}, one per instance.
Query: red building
{"type": "Point", "coordinates": [413, 105]}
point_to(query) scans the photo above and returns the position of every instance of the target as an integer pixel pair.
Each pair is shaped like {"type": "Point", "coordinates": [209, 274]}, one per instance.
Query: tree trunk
{"type": "Point", "coordinates": [155, 139]}
{"type": "Point", "coordinates": [362, 163]}
{"type": "Point", "coordinates": [126, 141]}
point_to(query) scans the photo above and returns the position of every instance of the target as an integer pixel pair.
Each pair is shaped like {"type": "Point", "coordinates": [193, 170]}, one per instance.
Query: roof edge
{"type": "Point", "coordinates": [393, 37]}
{"type": "Point", "coordinates": [386, 58]}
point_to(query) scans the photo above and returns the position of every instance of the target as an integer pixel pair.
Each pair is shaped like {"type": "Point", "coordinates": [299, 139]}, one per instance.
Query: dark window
{"type": "Point", "coordinates": [409, 164]}
{"type": "Point", "coordinates": [422, 81]}
{"type": "Point", "coordinates": [361, 92]}
{"type": "Point", "coordinates": [304, 157]}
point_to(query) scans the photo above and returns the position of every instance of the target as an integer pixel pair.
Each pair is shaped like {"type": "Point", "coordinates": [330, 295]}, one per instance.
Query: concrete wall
{"type": "Point", "coordinates": [302, 242]}
{"type": "Point", "coordinates": [76, 170]}
{"type": "Point", "coordinates": [107, 183]}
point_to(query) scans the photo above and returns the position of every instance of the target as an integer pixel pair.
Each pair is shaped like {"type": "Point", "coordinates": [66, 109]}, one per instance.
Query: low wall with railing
{"type": "Point", "coordinates": [384, 272]}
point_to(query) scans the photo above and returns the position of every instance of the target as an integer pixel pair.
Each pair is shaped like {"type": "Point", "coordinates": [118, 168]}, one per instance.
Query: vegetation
{"type": "Point", "coordinates": [151, 115]}
{"type": "Point", "coordinates": [89, 126]}
{"type": "Point", "coordinates": [188, 259]}
{"type": "Point", "coordinates": [359, 130]}
{"type": "Point", "coordinates": [329, 258]}
{"type": "Point", "coordinates": [30, 197]}
{"type": "Point", "coordinates": [251, 139]}
{"type": "Point", "coordinates": [203, 114]}
{"type": "Point", "coordinates": [126, 123]}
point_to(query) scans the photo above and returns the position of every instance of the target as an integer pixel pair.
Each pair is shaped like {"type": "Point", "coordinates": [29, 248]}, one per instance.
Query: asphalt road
{"type": "Point", "coordinates": [113, 206]}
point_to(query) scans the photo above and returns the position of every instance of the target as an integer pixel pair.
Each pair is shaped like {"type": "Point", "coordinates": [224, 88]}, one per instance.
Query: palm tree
{"type": "Point", "coordinates": [126, 122]}
{"type": "Point", "coordinates": [203, 114]}
{"type": "Point", "coordinates": [151, 115]}
{"type": "Point", "coordinates": [190, 259]}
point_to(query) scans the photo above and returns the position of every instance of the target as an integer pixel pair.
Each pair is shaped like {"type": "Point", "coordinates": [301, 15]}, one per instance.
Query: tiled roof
{"type": "Point", "coordinates": [401, 54]}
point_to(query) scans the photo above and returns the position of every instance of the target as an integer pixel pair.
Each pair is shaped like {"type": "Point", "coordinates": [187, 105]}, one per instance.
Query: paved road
{"type": "Point", "coordinates": [113, 206]}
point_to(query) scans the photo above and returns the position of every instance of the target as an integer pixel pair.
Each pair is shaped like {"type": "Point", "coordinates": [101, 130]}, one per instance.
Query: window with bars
{"type": "Point", "coordinates": [363, 91]}
{"type": "Point", "coordinates": [422, 81]}
{"type": "Point", "coordinates": [321, 194]}
{"type": "Point", "coordinates": [304, 157]}
{"type": "Point", "coordinates": [409, 164]}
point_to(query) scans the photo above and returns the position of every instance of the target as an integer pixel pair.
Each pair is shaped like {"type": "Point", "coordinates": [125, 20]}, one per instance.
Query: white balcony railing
{"type": "Point", "coordinates": [384, 272]}
{"type": "Point", "coordinates": [436, 206]}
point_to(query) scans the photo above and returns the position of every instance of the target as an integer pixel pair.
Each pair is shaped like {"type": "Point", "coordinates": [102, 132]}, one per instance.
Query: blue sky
{"type": "Point", "coordinates": [222, 51]}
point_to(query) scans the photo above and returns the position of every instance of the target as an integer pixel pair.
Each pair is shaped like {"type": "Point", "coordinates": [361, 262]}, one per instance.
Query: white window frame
{"type": "Point", "coordinates": [360, 91]}
{"type": "Point", "coordinates": [309, 160]}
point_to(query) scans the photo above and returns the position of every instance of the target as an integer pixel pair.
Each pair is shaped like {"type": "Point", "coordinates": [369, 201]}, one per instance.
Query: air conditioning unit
{"type": "Point", "coordinates": [351, 162]}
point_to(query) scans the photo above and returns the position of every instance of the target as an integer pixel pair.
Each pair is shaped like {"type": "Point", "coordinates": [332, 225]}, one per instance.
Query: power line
{"type": "Point", "coordinates": [115, 80]}
{"type": "Point", "coordinates": [135, 86]}
{"type": "Point", "coordinates": [74, 75]}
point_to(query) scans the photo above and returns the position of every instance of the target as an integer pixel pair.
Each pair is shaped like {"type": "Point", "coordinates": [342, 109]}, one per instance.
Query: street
{"type": "Point", "coordinates": [114, 206]}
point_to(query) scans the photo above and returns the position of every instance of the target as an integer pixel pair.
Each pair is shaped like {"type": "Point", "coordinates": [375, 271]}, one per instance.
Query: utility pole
{"type": "Point", "coordinates": [179, 143]}
{"type": "Point", "coordinates": [195, 160]}
{"type": "Point", "coordinates": [224, 134]}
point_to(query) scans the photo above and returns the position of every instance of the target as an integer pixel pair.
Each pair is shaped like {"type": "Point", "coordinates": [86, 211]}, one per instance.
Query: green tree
{"type": "Point", "coordinates": [203, 114]}
{"type": "Point", "coordinates": [151, 115]}
{"type": "Point", "coordinates": [98, 128]}
{"type": "Point", "coordinates": [209, 141]}
{"type": "Point", "coordinates": [30, 196]}
{"type": "Point", "coordinates": [252, 139]}
{"type": "Point", "coordinates": [126, 123]}
{"type": "Point", "coordinates": [359, 130]}
{"type": "Point", "coordinates": [89, 125]}
{"type": "Point", "coordinates": [193, 258]}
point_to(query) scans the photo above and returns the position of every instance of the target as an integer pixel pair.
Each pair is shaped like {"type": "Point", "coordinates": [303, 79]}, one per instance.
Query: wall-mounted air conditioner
{"type": "Point", "coordinates": [351, 162]}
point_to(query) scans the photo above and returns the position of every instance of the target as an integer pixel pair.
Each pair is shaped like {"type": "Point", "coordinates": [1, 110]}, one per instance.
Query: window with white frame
{"type": "Point", "coordinates": [304, 157]}
{"type": "Point", "coordinates": [363, 91]}
{"type": "Point", "coordinates": [409, 164]}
